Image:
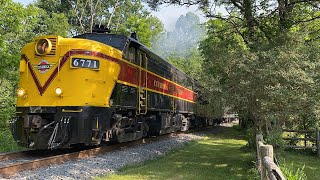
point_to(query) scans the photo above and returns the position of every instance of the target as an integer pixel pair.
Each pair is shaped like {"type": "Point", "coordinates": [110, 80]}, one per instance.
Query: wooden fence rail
{"type": "Point", "coordinates": [305, 139]}
{"type": "Point", "coordinates": [266, 166]}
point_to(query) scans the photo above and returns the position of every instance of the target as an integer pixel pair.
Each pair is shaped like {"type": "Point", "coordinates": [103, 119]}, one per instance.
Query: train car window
{"type": "Point", "coordinates": [146, 61]}
{"type": "Point", "coordinates": [131, 54]}
{"type": "Point", "coordinates": [143, 59]}
{"type": "Point", "coordinates": [141, 56]}
{"type": "Point", "coordinates": [151, 65]}
{"type": "Point", "coordinates": [126, 52]}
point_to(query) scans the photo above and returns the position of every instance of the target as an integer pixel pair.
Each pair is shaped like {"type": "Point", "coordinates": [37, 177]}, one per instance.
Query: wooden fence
{"type": "Point", "coordinates": [266, 166]}
{"type": "Point", "coordinates": [307, 137]}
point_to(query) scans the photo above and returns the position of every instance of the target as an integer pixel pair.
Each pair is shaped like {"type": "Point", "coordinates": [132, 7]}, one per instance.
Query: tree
{"type": "Point", "coordinates": [120, 16]}
{"type": "Point", "coordinates": [147, 29]}
{"type": "Point", "coordinates": [273, 84]}
{"type": "Point", "coordinates": [262, 57]}
{"type": "Point", "coordinates": [257, 21]}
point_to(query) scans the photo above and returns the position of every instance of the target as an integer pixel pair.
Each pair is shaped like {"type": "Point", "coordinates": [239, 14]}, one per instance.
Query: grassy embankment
{"type": "Point", "coordinates": [218, 156]}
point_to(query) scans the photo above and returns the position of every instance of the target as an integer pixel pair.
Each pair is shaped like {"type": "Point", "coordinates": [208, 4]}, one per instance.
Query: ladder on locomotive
{"type": "Point", "coordinates": [143, 81]}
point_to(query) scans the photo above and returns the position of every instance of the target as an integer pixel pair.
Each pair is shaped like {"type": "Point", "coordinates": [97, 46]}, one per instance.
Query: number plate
{"type": "Point", "coordinates": [85, 63]}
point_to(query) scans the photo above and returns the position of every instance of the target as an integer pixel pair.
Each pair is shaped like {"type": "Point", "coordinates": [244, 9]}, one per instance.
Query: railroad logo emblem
{"type": "Point", "coordinates": [43, 66]}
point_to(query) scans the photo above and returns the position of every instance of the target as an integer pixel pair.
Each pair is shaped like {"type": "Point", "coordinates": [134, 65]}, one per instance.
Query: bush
{"type": "Point", "coordinates": [7, 142]}
{"type": "Point", "coordinates": [250, 137]}
{"type": "Point", "coordinates": [275, 139]}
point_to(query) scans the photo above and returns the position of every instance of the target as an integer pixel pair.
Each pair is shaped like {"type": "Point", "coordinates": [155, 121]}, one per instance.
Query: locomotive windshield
{"type": "Point", "coordinates": [113, 40]}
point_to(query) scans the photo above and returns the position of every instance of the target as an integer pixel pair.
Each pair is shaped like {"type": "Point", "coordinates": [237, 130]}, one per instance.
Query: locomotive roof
{"type": "Point", "coordinates": [122, 40]}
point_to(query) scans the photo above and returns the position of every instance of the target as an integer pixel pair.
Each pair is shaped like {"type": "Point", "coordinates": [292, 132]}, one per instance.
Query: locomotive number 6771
{"type": "Point", "coordinates": [98, 87]}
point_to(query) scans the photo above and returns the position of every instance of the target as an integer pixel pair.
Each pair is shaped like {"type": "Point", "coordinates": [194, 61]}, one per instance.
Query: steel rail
{"type": "Point", "coordinates": [15, 155]}
{"type": "Point", "coordinates": [59, 159]}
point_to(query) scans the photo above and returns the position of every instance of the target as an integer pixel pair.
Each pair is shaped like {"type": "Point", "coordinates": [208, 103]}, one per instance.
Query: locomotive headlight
{"type": "Point", "coordinates": [58, 91]}
{"type": "Point", "coordinates": [21, 92]}
{"type": "Point", "coordinates": [43, 46]}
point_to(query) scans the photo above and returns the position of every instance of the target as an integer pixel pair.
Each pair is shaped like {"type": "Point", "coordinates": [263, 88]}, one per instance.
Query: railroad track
{"type": "Point", "coordinates": [36, 160]}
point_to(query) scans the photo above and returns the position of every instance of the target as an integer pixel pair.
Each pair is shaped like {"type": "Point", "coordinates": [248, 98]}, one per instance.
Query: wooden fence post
{"type": "Point", "coordinates": [266, 166]}
{"type": "Point", "coordinates": [259, 140]}
{"type": "Point", "coordinates": [273, 171]}
{"type": "Point", "coordinates": [265, 150]}
{"type": "Point", "coordinates": [317, 142]}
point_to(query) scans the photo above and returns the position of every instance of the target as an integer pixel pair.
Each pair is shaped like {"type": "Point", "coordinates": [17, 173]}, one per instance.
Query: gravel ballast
{"type": "Point", "coordinates": [110, 162]}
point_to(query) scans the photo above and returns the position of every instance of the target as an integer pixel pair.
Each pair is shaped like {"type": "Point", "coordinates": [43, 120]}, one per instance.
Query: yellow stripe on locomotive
{"type": "Point", "coordinates": [44, 81]}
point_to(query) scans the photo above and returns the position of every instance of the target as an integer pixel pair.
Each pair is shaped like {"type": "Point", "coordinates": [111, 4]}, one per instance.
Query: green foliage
{"type": "Point", "coordinates": [258, 21]}
{"type": "Point", "coordinates": [254, 174]}
{"type": "Point", "coordinates": [54, 24]}
{"type": "Point", "coordinates": [147, 28]}
{"type": "Point", "coordinates": [120, 16]}
{"type": "Point", "coordinates": [294, 163]}
{"type": "Point", "coordinates": [6, 141]}
{"type": "Point", "coordinates": [7, 101]}
{"type": "Point", "coordinates": [293, 174]}
{"type": "Point", "coordinates": [263, 58]}
{"type": "Point", "coordinates": [275, 139]}
{"type": "Point", "coordinates": [272, 83]}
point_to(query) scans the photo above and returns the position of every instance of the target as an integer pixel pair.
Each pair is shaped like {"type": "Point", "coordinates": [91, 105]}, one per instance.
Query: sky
{"type": "Point", "coordinates": [167, 14]}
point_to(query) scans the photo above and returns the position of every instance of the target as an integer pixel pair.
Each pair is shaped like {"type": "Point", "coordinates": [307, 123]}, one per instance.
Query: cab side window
{"type": "Point", "coordinates": [143, 59]}
{"type": "Point", "coordinates": [131, 54]}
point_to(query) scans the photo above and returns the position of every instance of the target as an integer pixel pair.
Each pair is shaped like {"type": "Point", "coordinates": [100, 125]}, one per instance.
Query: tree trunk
{"type": "Point", "coordinates": [113, 11]}
{"type": "Point", "coordinates": [284, 11]}
{"type": "Point", "coordinates": [248, 15]}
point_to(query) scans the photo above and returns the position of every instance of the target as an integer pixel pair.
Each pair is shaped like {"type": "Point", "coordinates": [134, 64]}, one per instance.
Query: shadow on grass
{"type": "Point", "coordinates": [218, 156]}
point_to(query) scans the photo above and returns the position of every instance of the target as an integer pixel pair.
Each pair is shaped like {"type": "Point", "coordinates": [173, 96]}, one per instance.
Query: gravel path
{"type": "Point", "coordinates": [110, 162]}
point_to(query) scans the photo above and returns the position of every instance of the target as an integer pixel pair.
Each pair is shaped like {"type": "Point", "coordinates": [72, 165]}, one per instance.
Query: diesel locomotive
{"type": "Point", "coordinates": [99, 87]}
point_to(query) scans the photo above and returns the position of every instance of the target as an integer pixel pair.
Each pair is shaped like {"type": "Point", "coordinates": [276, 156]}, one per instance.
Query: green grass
{"type": "Point", "coordinates": [296, 160]}
{"type": "Point", "coordinates": [218, 156]}
{"type": "Point", "coordinates": [6, 141]}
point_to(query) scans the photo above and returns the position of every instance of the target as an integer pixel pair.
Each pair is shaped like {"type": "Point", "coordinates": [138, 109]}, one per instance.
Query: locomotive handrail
{"type": "Point", "coordinates": [146, 83]}
{"type": "Point", "coordinates": [141, 67]}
